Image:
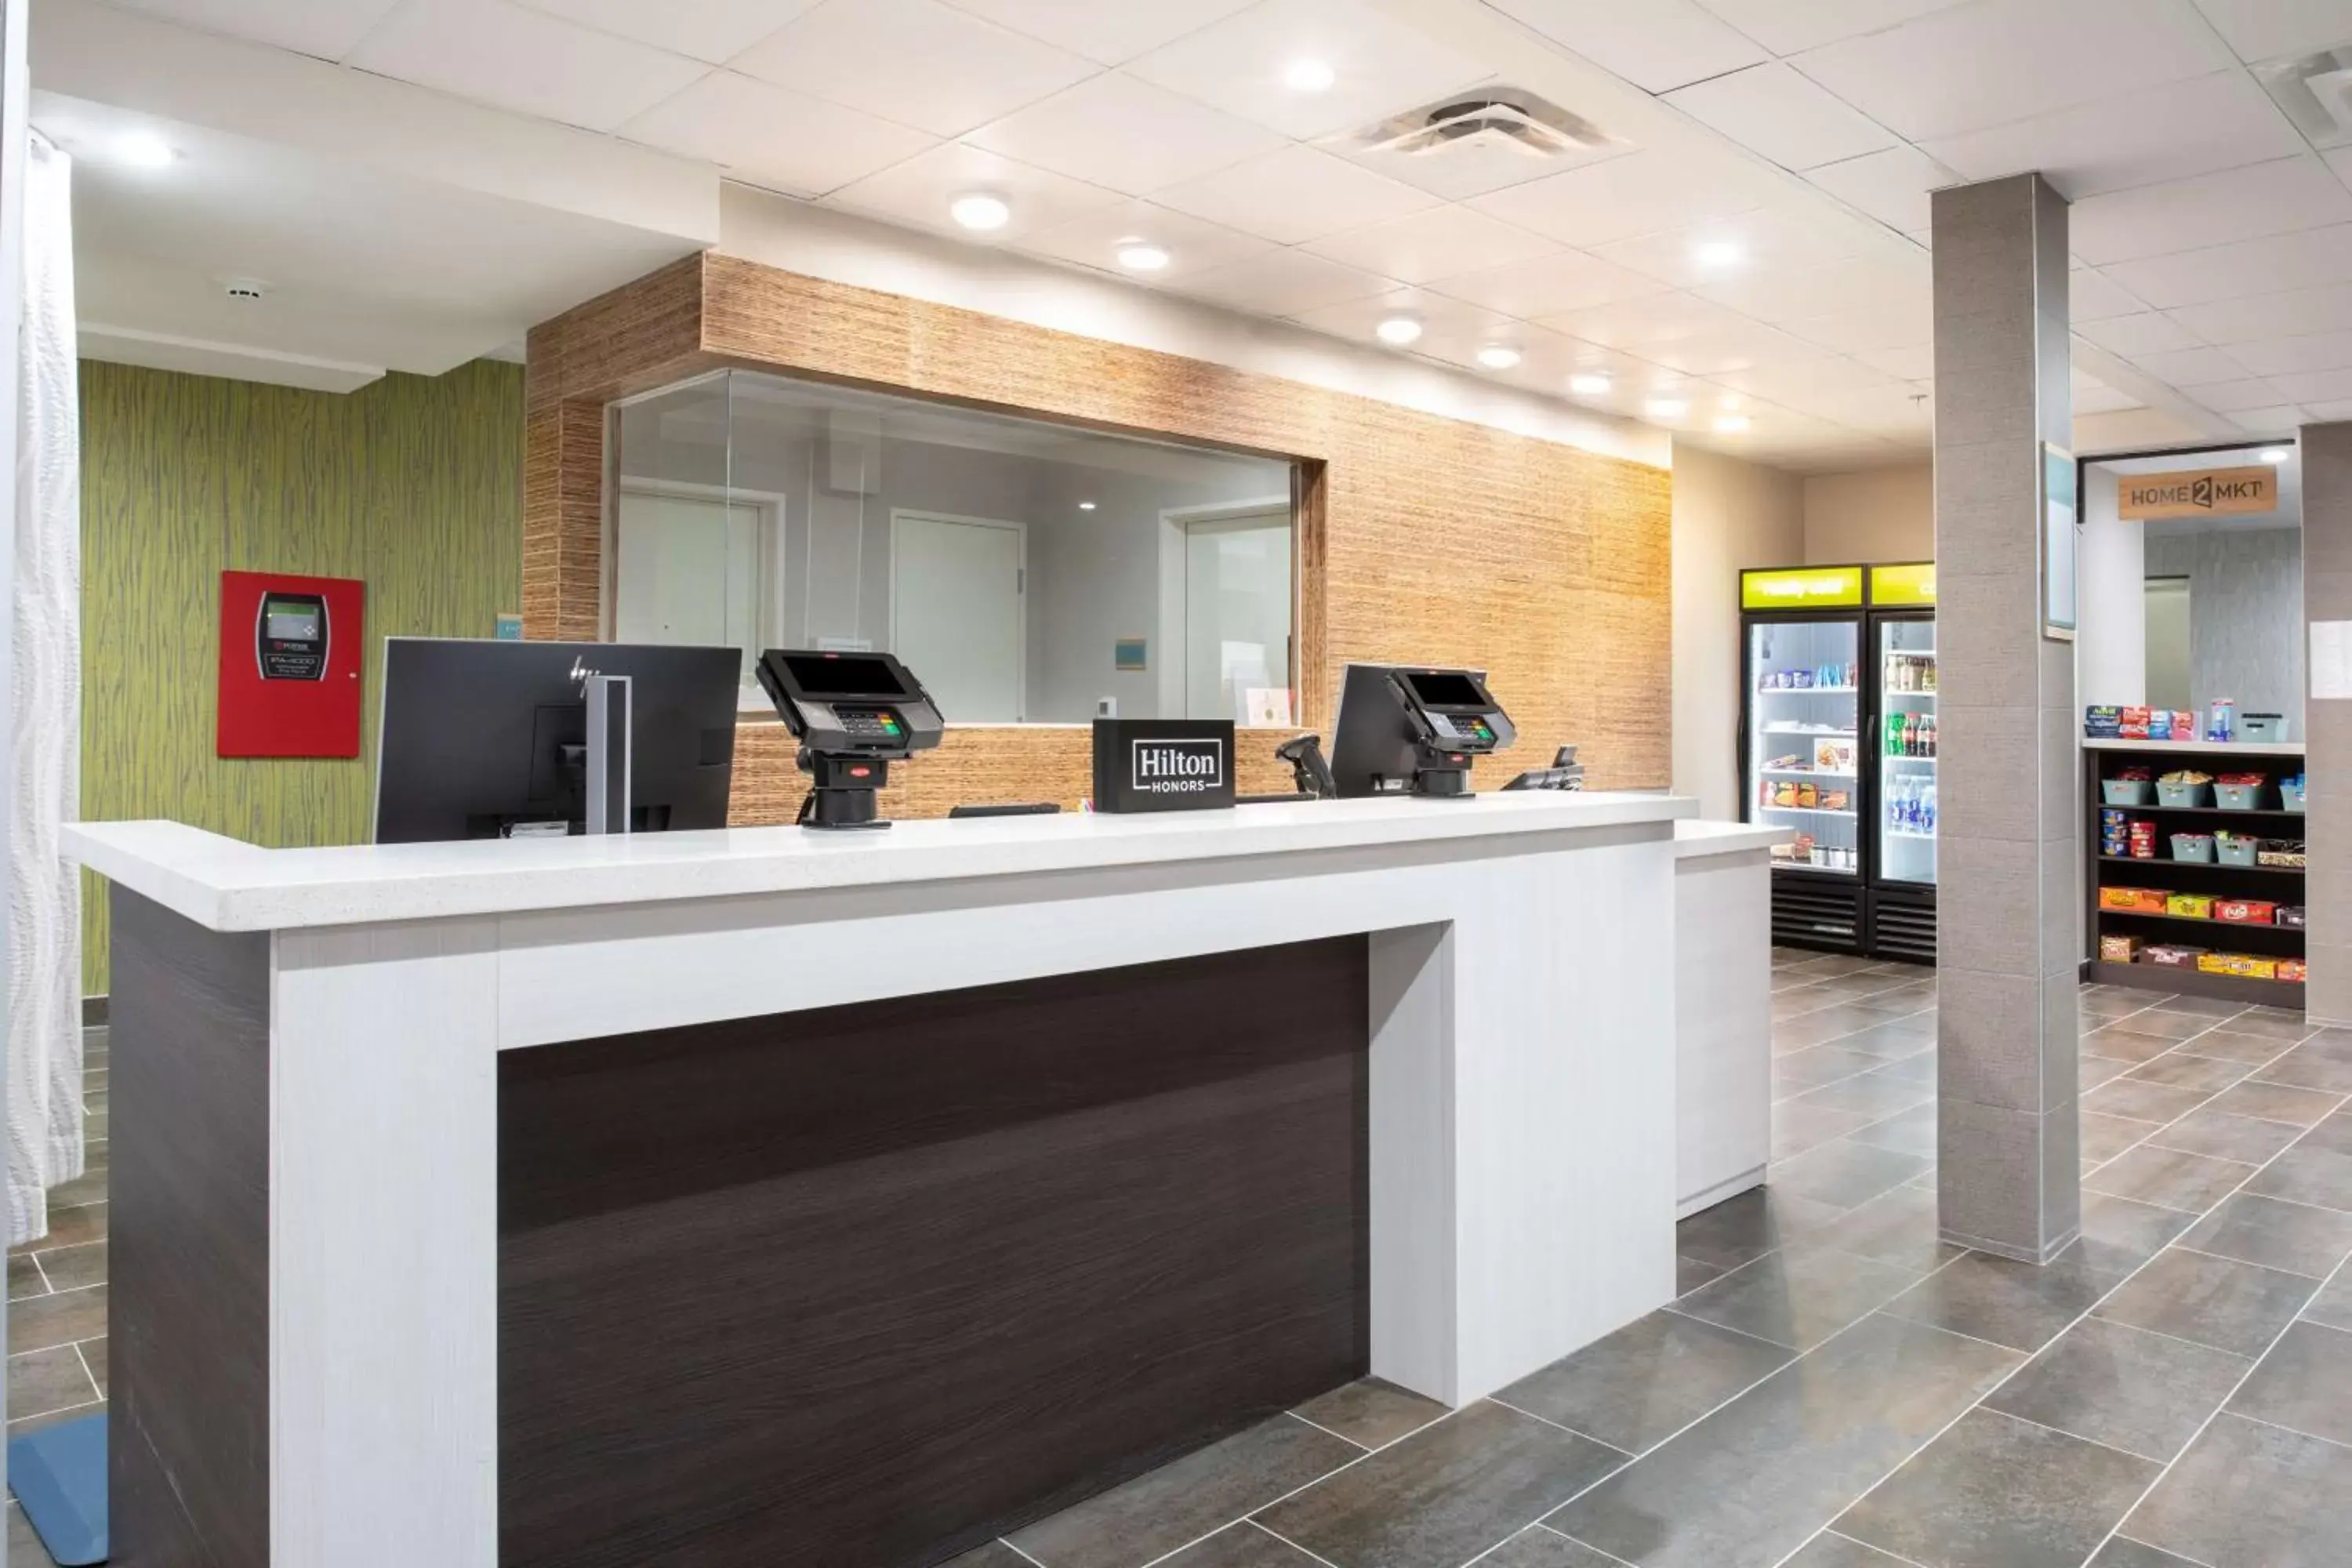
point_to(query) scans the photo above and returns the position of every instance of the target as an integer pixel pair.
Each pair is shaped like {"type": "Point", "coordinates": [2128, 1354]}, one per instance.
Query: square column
{"type": "Point", "coordinates": [2327, 724]}
{"type": "Point", "coordinates": [2008, 1176]}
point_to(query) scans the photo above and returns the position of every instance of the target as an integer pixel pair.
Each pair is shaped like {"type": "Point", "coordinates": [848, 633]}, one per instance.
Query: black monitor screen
{"type": "Point", "coordinates": [1445, 688]}
{"type": "Point", "coordinates": [824, 678]}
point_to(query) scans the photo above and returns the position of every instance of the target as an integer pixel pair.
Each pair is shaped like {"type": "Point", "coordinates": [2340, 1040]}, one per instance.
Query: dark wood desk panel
{"type": "Point", "coordinates": [866, 1286]}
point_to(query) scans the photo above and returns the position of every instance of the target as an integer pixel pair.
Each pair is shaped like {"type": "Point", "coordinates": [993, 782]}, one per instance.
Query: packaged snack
{"type": "Point", "coordinates": [2244, 912]}
{"type": "Point", "coordinates": [1809, 795]}
{"type": "Point", "coordinates": [2119, 949]}
{"type": "Point", "coordinates": [2101, 722]}
{"type": "Point", "coordinates": [2285, 853]}
{"type": "Point", "coordinates": [2290, 915]}
{"type": "Point", "coordinates": [1782, 764]}
{"type": "Point", "coordinates": [2190, 906]}
{"type": "Point", "coordinates": [2172, 955]}
{"type": "Point", "coordinates": [2142, 900]}
{"type": "Point", "coordinates": [2293, 969]}
{"type": "Point", "coordinates": [2132, 724]}
{"type": "Point", "coordinates": [2244, 965]}
{"type": "Point", "coordinates": [1836, 800]}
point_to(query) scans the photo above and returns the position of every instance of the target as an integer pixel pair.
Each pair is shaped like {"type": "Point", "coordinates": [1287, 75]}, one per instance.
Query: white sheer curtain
{"type": "Point", "coordinates": [44, 1085]}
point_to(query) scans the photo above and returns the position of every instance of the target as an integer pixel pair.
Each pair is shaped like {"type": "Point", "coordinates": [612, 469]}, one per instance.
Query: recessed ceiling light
{"type": "Point", "coordinates": [1311, 76]}
{"type": "Point", "coordinates": [144, 150]}
{"type": "Point", "coordinates": [1499, 356]}
{"type": "Point", "coordinates": [2275, 454]}
{"type": "Point", "coordinates": [1590, 384]}
{"type": "Point", "coordinates": [1398, 331]}
{"type": "Point", "coordinates": [1666, 407]}
{"type": "Point", "coordinates": [1141, 255]}
{"type": "Point", "coordinates": [1728, 402]}
{"type": "Point", "coordinates": [1085, 506]}
{"type": "Point", "coordinates": [1731, 423]}
{"type": "Point", "coordinates": [1719, 253]}
{"type": "Point", "coordinates": [980, 210]}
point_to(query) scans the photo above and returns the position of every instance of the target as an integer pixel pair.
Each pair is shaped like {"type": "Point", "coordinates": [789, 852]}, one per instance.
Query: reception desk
{"type": "Point", "coordinates": [763, 1196]}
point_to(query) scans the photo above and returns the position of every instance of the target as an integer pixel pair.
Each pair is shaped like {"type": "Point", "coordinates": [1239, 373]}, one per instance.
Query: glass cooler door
{"type": "Point", "coordinates": [1907, 751]}
{"type": "Point", "coordinates": [1804, 704]}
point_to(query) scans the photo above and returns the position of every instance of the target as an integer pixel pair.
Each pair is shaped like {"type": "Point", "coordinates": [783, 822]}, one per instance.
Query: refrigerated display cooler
{"type": "Point", "coordinates": [1838, 741]}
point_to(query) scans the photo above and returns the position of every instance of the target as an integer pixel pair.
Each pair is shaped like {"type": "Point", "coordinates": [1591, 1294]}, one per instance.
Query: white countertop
{"type": "Point", "coordinates": [1693, 837]}
{"type": "Point", "coordinates": [228, 884]}
{"type": "Point", "coordinates": [2224, 748]}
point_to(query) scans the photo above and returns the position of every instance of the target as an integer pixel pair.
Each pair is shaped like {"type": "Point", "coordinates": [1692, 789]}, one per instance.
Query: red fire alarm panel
{"type": "Point", "coordinates": [290, 665]}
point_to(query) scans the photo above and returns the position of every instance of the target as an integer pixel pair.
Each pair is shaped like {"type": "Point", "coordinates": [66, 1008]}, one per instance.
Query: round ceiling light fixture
{"type": "Point", "coordinates": [1398, 331]}
{"type": "Point", "coordinates": [1310, 76]}
{"type": "Point", "coordinates": [144, 150]}
{"type": "Point", "coordinates": [1142, 256]}
{"type": "Point", "coordinates": [1499, 356]}
{"type": "Point", "coordinates": [980, 211]}
{"type": "Point", "coordinates": [1590, 384]}
{"type": "Point", "coordinates": [1730, 424]}
{"type": "Point", "coordinates": [1085, 506]}
{"type": "Point", "coordinates": [1718, 254]}
{"type": "Point", "coordinates": [2275, 455]}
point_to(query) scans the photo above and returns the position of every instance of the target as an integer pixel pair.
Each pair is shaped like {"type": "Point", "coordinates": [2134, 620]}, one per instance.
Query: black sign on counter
{"type": "Point", "coordinates": [1164, 764]}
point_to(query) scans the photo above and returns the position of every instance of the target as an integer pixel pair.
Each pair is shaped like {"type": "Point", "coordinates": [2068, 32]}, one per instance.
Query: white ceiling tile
{"type": "Point", "coordinates": [1803, 380]}
{"type": "Point", "coordinates": [1891, 186]}
{"type": "Point", "coordinates": [1108, 33]}
{"type": "Point", "coordinates": [1439, 242]}
{"type": "Point", "coordinates": [1767, 238]}
{"type": "Point", "coordinates": [1549, 286]}
{"type": "Point", "coordinates": [1789, 26]}
{"type": "Point", "coordinates": [770, 136]}
{"type": "Point", "coordinates": [1283, 283]}
{"type": "Point", "coordinates": [2098, 399]}
{"type": "Point", "coordinates": [500, 54]}
{"type": "Point", "coordinates": [2340, 160]}
{"type": "Point", "coordinates": [1652, 318]}
{"type": "Point", "coordinates": [2295, 313]}
{"type": "Point", "coordinates": [2268, 421]}
{"type": "Point", "coordinates": [1640, 192]}
{"type": "Point", "coordinates": [1915, 363]}
{"type": "Point", "coordinates": [1451, 330]}
{"type": "Point", "coordinates": [1293, 194]}
{"type": "Point", "coordinates": [2278, 197]}
{"type": "Point", "coordinates": [2316, 386]}
{"type": "Point", "coordinates": [2220, 120]}
{"type": "Point", "coordinates": [2234, 396]}
{"type": "Point", "coordinates": [2329, 413]}
{"type": "Point", "coordinates": [1093, 239]}
{"type": "Point", "coordinates": [2003, 60]}
{"type": "Point", "coordinates": [2282, 357]}
{"type": "Point", "coordinates": [2189, 367]}
{"type": "Point", "coordinates": [2149, 332]}
{"type": "Point", "coordinates": [1731, 348]}
{"type": "Point", "coordinates": [1893, 324]}
{"type": "Point", "coordinates": [1656, 45]}
{"type": "Point", "coordinates": [918, 192]}
{"type": "Point", "coordinates": [2092, 296]}
{"type": "Point", "coordinates": [1127, 134]}
{"type": "Point", "coordinates": [1801, 293]}
{"type": "Point", "coordinates": [915, 61]}
{"type": "Point", "coordinates": [1772, 111]}
{"type": "Point", "coordinates": [2264, 29]}
{"type": "Point", "coordinates": [2272, 264]}
{"type": "Point", "coordinates": [1380, 65]}
{"type": "Point", "coordinates": [712, 30]}
{"type": "Point", "coordinates": [327, 28]}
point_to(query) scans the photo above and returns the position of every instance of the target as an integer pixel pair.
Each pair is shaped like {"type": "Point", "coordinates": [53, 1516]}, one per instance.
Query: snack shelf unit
{"type": "Point", "coordinates": [2105, 759]}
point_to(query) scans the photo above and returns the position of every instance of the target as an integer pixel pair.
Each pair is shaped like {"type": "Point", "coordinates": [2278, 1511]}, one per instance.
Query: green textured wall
{"type": "Point", "coordinates": [413, 484]}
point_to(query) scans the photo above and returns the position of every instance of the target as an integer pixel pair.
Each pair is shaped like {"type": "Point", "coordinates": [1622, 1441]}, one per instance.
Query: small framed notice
{"type": "Point", "coordinates": [1131, 653]}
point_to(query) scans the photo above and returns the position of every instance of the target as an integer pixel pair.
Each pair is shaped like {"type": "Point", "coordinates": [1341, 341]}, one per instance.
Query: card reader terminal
{"type": "Point", "coordinates": [1408, 730]}
{"type": "Point", "coordinates": [289, 636]}
{"type": "Point", "coordinates": [854, 714]}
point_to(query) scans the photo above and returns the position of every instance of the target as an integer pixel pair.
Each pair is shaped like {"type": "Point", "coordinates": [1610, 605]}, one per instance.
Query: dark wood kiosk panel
{"type": "Point", "coordinates": [853, 1287]}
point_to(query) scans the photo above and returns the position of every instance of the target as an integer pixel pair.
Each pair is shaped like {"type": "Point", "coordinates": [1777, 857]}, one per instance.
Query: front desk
{"type": "Point", "coordinates": [763, 1196]}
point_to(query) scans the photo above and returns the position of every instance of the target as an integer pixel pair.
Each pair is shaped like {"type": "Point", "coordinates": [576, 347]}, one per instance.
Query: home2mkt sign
{"type": "Point", "coordinates": [2211, 492]}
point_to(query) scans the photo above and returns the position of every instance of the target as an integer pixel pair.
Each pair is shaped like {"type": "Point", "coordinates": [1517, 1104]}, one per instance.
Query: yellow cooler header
{"type": "Point", "coordinates": [1913, 583]}
{"type": "Point", "coordinates": [1803, 588]}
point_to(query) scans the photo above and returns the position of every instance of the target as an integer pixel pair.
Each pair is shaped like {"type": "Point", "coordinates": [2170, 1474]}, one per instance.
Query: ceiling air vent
{"type": "Point", "coordinates": [1502, 117]}
{"type": "Point", "coordinates": [2316, 91]}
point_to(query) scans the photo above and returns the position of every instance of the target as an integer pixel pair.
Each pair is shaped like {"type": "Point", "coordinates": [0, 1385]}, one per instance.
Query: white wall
{"type": "Point", "coordinates": [1729, 514]}
{"type": "Point", "coordinates": [1873, 515]}
{"type": "Point", "coordinates": [2111, 577]}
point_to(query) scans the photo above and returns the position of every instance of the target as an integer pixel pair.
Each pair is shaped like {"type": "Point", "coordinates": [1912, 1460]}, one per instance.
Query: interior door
{"type": "Point", "coordinates": [1237, 613]}
{"type": "Point", "coordinates": [1803, 737]}
{"type": "Point", "coordinates": [688, 573]}
{"type": "Point", "coordinates": [958, 593]}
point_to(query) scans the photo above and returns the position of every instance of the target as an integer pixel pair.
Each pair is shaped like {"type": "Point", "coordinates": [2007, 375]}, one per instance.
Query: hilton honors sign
{"type": "Point", "coordinates": [2211, 492]}
{"type": "Point", "coordinates": [1162, 765]}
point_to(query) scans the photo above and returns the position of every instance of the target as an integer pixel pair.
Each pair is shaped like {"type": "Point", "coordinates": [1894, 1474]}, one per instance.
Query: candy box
{"type": "Point", "coordinates": [2245, 911]}
{"type": "Point", "coordinates": [2189, 906]}
{"type": "Point", "coordinates": [2294, 969]}
{"type": "Point", "coordinates": [2120, 949]}
{"type": "Point", "coordinates": [2172, 955]}
{"type": "Point", "coordinates": [2141, 900]}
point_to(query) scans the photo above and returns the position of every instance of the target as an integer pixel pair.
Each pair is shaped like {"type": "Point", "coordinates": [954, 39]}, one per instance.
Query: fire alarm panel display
{"type": "Point", "coordinates": [291, 637]}
{"type": "Point", "coordinates": [290, 665]}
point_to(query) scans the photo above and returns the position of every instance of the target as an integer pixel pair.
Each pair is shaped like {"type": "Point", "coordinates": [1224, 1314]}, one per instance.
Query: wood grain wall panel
{"type": "Point", "coordinates": [898, 1278]}
{"type": "Point", "coordinates": [1422, 539]}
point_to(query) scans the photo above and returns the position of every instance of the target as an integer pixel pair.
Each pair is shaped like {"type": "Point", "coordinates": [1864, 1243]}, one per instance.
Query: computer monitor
{"type": "Point", "coordinates": [487, 739]}
{"type": "Point", "coordinates": [1412, 730]}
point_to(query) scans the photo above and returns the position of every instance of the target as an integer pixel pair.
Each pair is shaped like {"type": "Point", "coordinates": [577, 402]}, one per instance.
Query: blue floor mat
{"type": "Point", "coordinates": [58, 1474]}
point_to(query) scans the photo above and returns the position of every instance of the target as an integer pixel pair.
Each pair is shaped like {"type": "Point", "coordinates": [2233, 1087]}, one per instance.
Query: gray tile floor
{"type": "Point", "coordinates": [1834, 1388]}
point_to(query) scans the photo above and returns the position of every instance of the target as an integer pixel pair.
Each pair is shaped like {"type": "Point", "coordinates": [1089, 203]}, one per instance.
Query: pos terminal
{"type": "Point", "coordinates": [1405, 730]}
{"type": "Point", "coordinates": [852, 714]}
